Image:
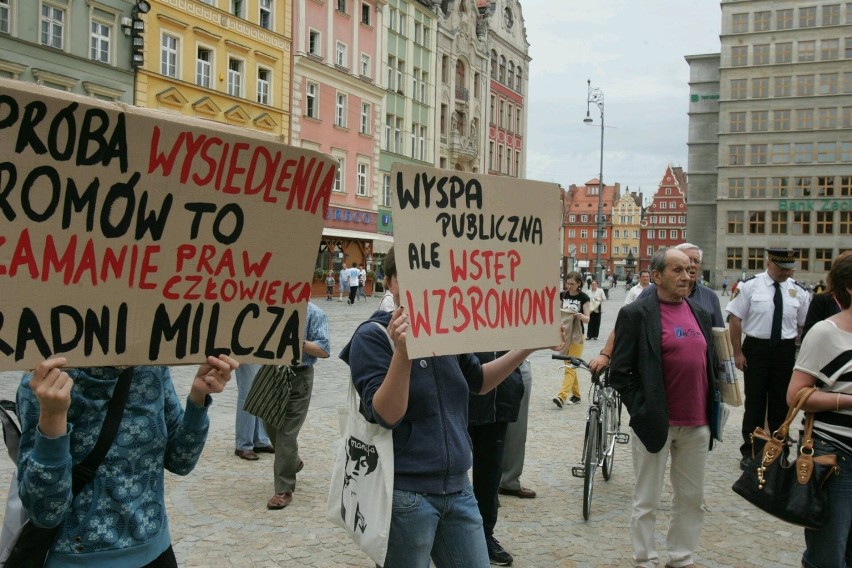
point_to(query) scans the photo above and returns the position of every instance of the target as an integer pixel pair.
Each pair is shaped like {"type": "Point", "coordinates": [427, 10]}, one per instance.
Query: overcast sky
{"type": "Point", "coordinates": [634, 51]}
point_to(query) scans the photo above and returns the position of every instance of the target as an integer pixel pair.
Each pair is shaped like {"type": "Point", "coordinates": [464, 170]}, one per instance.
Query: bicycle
{"type": "Point", "coordinates": [603, 431]}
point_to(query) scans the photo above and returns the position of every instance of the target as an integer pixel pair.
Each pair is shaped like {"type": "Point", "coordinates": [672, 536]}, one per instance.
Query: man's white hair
{"type": "Point", "coordinates": [690, 246]}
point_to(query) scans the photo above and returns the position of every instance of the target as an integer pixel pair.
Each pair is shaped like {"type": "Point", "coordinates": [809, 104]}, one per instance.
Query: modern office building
{"type": "Point", "coordinates": [79, 47]}
{"type": "Point", "coordinates": [784, 136]}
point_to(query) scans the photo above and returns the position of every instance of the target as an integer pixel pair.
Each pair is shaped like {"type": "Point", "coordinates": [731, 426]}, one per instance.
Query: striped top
{"type": "Point", "coordinates": [826, 354]}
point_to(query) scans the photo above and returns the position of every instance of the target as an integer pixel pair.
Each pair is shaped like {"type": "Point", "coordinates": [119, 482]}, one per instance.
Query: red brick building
{"type": "Point", "coordinates": [580, 224]}
{"type": "Point", "coordinates": [664, 220]}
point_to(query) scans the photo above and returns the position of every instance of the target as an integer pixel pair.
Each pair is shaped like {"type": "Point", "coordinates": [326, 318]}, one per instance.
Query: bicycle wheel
{"type": "Point", "coordinates": [591, 460]}
{"type": "Point", "coordinates": [610, 427]}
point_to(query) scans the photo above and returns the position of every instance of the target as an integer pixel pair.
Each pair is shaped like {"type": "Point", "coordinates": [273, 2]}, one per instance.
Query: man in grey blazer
{"type": "Point", "coordinates": [663, 365]}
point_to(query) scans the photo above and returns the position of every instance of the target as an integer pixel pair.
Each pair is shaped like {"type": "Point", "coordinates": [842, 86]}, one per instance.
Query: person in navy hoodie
{"type": "Point", "coordinates": [425, 403]}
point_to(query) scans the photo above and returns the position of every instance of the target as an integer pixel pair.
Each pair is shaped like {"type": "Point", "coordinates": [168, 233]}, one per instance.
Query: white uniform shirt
{"type": "Point", "coordinates": [755, 304]}
{"type": "Point", "coordinates": [633, 293]}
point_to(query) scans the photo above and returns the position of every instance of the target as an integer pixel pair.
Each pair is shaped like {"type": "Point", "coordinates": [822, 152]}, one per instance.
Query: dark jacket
{"type": "Point", "coordinates": [501, 404]}
{"type": "Point", "coordinates": [822, 306]}
{"type": "Point", "coordinates": [432, 451]}
{"type": "Point", "coordinates": [636, 370]}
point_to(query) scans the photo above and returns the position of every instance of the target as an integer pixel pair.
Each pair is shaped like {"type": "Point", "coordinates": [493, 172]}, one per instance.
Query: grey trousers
{"type": "Point", "coordinates": [285, 438]}
{"type": "Point", "coordinates": [516, 437]}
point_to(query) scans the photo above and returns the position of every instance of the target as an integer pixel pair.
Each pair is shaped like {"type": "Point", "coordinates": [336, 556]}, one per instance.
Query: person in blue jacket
{"type": "Point", "coordinates": [425, 402]}
{"type": "Point", "coordinates": [119, 518]}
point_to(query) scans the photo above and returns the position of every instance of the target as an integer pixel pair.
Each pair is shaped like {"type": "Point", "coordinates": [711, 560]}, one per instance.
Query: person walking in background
{"type": "Point", "coordinates": [725, 286]}
{"type": "Point", "coordinates": [435, 514]}
{"type": "Point", "coordinates": [285, 438]}
{"type": "Point", "coordinates": [362, 283]}
{"type": "Point", "coordinates": [766, 317]}
{"type": "Point", "coordinates": [329, 285]}
{"type": "Point", "coordinates": [250, 437]}
{"type": "Point", "coordinates": [119, 518]}
{"type": "Point", "coordinates": [354, 280]}
{"type": "Point", "coordinates": [596, 300]}
{"type": "Point", "coordinates": [575, 312]}
{"type": "Point", "coordinates": [825, 362]}
{"type": "Point", "coordinates": [634, 291]}
{"type": "Point", "coordinates": [663, 366]}
{"type": "Point", "coordinates": [514, 452]}
{"type": "Point", "coordinates": [343, 283]}
{"type": "Point", "coordinates": [606, 285]}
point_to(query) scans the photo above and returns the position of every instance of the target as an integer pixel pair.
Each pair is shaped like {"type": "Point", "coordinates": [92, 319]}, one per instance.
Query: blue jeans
{"type": "Point", "coordinates": [446, 528]}
{"type": "Point", "coordinates": [249, 428]}
{"type": "Point", "coordinates": [831, 546]}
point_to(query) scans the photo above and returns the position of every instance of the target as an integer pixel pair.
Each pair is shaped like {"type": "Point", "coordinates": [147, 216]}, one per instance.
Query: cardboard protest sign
{"type": "Point", "coordinates": [477, 260]}
{"type": "Point", "coordinates": [130, 236]}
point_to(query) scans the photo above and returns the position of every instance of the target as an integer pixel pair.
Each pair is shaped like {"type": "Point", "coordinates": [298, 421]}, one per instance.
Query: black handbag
{"type": "Point", "coordinates": [270, 393]}
{"type": "Point", "coordinates": [793, 492]}
{"type": "Point", "coordinates": [34, 542]}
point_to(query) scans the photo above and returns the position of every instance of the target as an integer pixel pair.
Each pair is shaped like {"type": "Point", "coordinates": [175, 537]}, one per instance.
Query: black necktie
{"type": "Point", "coordinates": [777, 314]}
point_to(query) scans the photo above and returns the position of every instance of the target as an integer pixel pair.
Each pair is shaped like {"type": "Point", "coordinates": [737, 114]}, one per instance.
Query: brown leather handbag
{"type": "Point", "coordinates": [793, 492]}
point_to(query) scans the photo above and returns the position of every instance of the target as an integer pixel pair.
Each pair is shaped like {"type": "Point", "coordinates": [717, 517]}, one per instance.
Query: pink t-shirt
{"type": "Point", "coordinates": [684, 365]}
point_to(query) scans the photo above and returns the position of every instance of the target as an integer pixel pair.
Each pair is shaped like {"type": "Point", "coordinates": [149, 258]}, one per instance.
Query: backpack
{"type": "Point", "coordinates": [16, 516]}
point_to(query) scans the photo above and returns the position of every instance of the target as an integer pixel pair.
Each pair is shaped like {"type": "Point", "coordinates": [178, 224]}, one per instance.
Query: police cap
{"type": "Point", "coordinates": [785, 258]}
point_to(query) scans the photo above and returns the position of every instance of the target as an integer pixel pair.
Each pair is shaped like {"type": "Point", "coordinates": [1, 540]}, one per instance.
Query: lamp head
{"type": "Point", "coordinates": [588, 119]}
{"type": "Point", "coordinates": [143, 6]}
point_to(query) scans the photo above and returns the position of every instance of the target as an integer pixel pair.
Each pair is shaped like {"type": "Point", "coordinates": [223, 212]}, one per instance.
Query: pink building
{"type": "Point", "coordinates": [337, 104]}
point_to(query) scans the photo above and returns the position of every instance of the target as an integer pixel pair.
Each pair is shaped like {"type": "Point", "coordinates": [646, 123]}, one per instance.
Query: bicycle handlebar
{"type": "Point", "coordinates": [576, 361]}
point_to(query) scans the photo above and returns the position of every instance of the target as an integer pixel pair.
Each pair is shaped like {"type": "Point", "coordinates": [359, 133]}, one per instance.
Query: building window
{"type": "Point", "coordinates": [847, 50]}
{"type": "Point", "coordinates": [5, 17]}
{"type": "Point", "coordinates": [778, 222]}
{"type": "Point", "coordinates": [203, 67]}
{"type": "Point", "coordinates": [807, 51]}
{"type": "Point", "coordinates": [845, 224]}
{"type": "Point", "coordinates": [501, 70]}
{"type": "Point", "coordinates": [265, 17]}
{"type": "Point", "coordinates": [825, 222]}
{"type": "Point", "coordinates": [783, 86]}
{"type": "Point", "coordinates": [739, 23]}
{"type": "Point", "coordinates": [754, 261]}
{"type": "Point", "coordinates": [362, 175]}
{"type": "Point", "coordinates": [801, 222]}
{"type": "Point", "coordinates": [169, 56]}
{"type": "Point", "coordinates": [238, 8]}
{"type": "Point", "coordinates": [805, 85]}
{"type": "Point", "coordinates": [831, 16]}
{"type": "Point", "coordinates": [365, 65]}
{"type": "Point", "coordinates": [757, 187]}
{"type": "Point", "coordinates": [805, 119]}
{"type": "Point", "coordinates": [739, 89]}
{"type": "Point", "coordinates": [736, 187]}
{"type": "Point", "coordinates": [340, 110]}
{"type": "Point", "coordinates": [784, 52]}
{"type": "Point", "coordinates": [736, 221]}
{"type": "Point", "coordinates": [846, 117]}
{"type": "Point", "coordinates": [341, 6]}
{"type": "Point", "coordinates": [829, 49]}
{"type": "Point", "coordinates": [365, 118]}
{"type": "Point", "coordinates": [339, 175]}
{"type": "Point", "coordinates": [781, 119]}
{"type": "Point", "coordinates": [400, 73]}
{"type": "Point", "coordinates": [340, 55]}
{"type": "Point", "coordinates": [736, 155]}
{"type": "Point", "coordinates": [802, 259]}
{"type": "Point", "coordinates": [264, 84]}
{"type": "Point", "coordinates": [758, 154]}
{"type": "Point", "coordinates": [734, 259]}
{"type": "Point", "coordinates": [826, 152]}
{"type": "Point", "coordinates": [760, 120]}
{"type": "Point", "coordinates": [311, 100]}
{"type": "Point", "coordinates": [762, 21]}
{"type": "Point", "coordinates": [802, 186]}
{"type": "Point", "coordinates": [781, 153]}
{"type": "Point", "coordinates": [825, 186]}
{"type": "Point", "coordinates": [52, 26]}
{"type": "Point", "coordinates": [421, 143]}
{"type": "Point", "coordinates": [807, 17]}
{"type": "Point", "coordinates": [235, 77]}
{"type": "Point", "coordinates": [738, 121]}
{"type": "Point", "coordinates": [845, 186]}
{"type": "Point", "coordinates": [386, 190]}
{"type": "Point", "coordinates": [828, 83]}
{"type": "Point", "coordinates": [314, 43]}
{"type": "Point", "coordinates": [424, 87]}
{"type": "Point", "coordinates": [827, 118]}
{"type": "Point", "coordinates": [739, 55]}
{"type": "Point", "coordinates": [760, 88]}
{"type": "Point", "coordinates": [366, 17]}
{"type": "Point", "coordinates": [100, 41]}
{"type": "Point", "coordinates": [761, 54]}
{"type": "Point", "coordinates": [804, 153]}
{"type": "Point", "coordinates": [391, 72]}
{"type": "Point", "coordinates": [784, 19]}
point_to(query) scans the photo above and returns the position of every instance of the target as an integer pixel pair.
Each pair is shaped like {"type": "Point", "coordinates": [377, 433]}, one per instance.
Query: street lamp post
{"type": "Point", "coordinates": [596, 96]}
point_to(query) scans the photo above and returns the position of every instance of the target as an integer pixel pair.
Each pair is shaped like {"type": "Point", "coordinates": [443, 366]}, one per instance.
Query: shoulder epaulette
{"type": "Point", "coordinates": [800, 286]}
{"type": "Point", "coordinates": [749, 278]}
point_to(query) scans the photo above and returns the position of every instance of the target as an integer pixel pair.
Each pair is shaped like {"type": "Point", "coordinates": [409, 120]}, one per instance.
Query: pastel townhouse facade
{"type": "Point", "coordinates": [626, 216]}
{"type": "Point", "coordinates": [508, 82]}
{"type": "Point", "coordinates": [461, 93]}
{"type": "Point", "coordinates": [73, 46]}
{"type": "Point", "coordinates": [664, 221]}
{"type": "Point", "coordinates": [337, 109]}
{"type": "Point", "coordinates": [221, 60]}
{"type": "Point", "coordinates": [580, 225]}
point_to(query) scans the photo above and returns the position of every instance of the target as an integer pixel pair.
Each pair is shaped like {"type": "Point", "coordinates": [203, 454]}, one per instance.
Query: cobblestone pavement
{"type": "Point", "coordinates": [218, 513]}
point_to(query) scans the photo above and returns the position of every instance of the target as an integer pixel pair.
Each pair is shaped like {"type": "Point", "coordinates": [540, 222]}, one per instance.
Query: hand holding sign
{"type": "Point", "coordinates": [52, 387]}
{"type": "Point", "coordinates": [211, 378]}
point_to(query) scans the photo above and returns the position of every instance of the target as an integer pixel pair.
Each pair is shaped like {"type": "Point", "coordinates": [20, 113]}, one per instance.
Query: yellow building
{"type": "Point", "coordinates": [223, 60]}
{"type": "Point", "coordinates": [626, 214]}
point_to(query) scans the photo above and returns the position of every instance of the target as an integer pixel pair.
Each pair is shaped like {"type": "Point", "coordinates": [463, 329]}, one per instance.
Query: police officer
{"type": "Point", "coordinates": [766, 316]}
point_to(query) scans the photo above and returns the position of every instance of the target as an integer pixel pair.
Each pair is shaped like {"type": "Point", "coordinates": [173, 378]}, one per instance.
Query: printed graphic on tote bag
{"type": "Point", "coordinates": [361, 460]}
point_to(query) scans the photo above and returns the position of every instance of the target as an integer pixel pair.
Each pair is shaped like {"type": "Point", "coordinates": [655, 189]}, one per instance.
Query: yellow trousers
{"type": "Point", "coordinates": [571, 384]}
